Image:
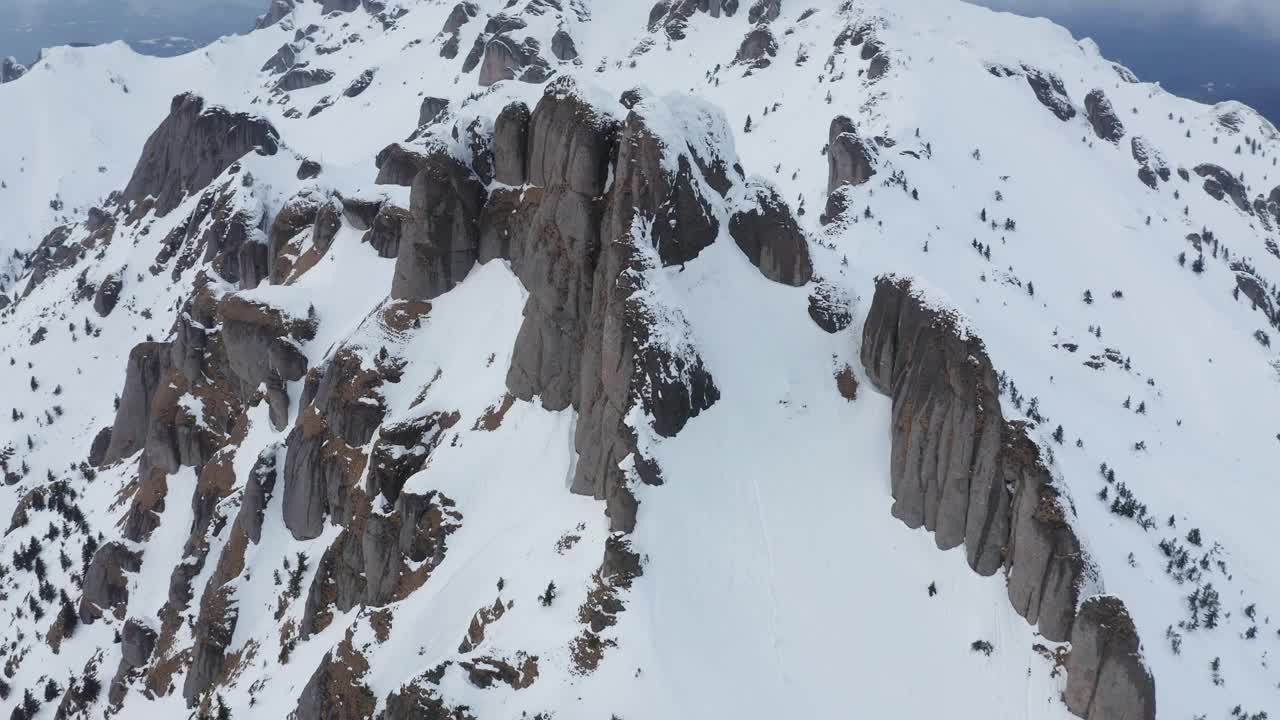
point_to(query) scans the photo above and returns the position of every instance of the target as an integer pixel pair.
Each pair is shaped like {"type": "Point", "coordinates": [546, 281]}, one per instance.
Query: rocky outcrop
{"type": "Point", "coordinates": [285, 57]}
{"type": "Point", "coordinates": [390, 225]}
{"type": "Point", "coordinates": [1152, 169]}
{"type": "Point", "coordinates": [850, 162]}
{"type": "Point", "coordinates": [137, 642]}
{"type": "Point", "coordinates": [771, 239]}
{"type": "Point", "coordinates": [1050, 91]}
{"type": "Point", "coordinates": [323, 461]}
{"type": "Point", "coordinates": [106, 589]}
{"type": "Point", "coordinates": [108, 294]}
{"type": "Point", "coordinates": [461, 14]}
{"type": "Point", "coordinates": [148, 364]}
{"type": "Point", "coordinates": [191, 147]}
{"type": "Point", "coordinates": [335, 690]}
{"type": "Point", "coordinates": [757, 48]}
{"type": "Point", "coordinates": [301, 78]}
{"type": "Point", "coordinates": [563, 46]}
{"type": "Point", "coordinates": [360, 84]}
{"type": "Point", "coordinates": [261, 344]}
{"type": "Point", "coordinates": [959, 469]}
{"type": "Point", "coordinates": [443, 241]}
{"type": "Point", "coordinates": [1106, 675]}
{"type": "Point", "coordinates": [672, 16]}
{"type": "Point", "coordinates": [510, 142]}
{"type": "Point", "coordinates": [1221, 184]}
{"type": "Point", "coordinates": [764, 11]}
{"type": "Point", "coordinates": [1106, 124]}
{"type": "Point", "coordinates": [11, 69]}
{"type": "Point", "coordinates": [277, 11]}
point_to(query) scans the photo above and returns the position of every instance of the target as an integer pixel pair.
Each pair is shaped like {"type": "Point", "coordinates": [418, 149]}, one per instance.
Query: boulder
{"type": "Point", "coordinates": [191, 147]}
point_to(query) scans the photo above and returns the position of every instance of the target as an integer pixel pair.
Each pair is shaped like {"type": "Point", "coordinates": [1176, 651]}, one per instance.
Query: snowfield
{"type": "Point", "coordinates": [1135, 327]}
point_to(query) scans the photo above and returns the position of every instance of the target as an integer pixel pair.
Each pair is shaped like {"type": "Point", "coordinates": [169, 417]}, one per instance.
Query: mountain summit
{"type": "Point", "coordinates": [403, 359]}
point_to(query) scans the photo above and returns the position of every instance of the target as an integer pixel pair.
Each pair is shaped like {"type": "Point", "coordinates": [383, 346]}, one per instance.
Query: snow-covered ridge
{"type": "Point", "coordinates": [361, 395]}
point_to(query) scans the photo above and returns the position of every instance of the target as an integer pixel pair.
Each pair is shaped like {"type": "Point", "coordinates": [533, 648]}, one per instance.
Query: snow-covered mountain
{"type": "Point", "coordinates": [586, 359]}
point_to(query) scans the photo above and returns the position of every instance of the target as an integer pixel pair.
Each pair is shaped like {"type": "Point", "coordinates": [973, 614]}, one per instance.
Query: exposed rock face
{"type": "Point", "coordinates": [501, 57]}
{"type": "Point", "coordinates": [757, 48]}
{"type": "Point", "coordinates": [284, 58]}
{"type": "Point", "coordinates": [193, 146]}
{"type": "Point", "coordinates": [389, 226]}
{"type": "Point", "coordinates": [1221, 184]}
{"type": "Point", "coordinates": [848, 158]}
{"type": "Point", "coordinates": [830, 308]}
{"type": "Point", "coordinates": [772, 240]}
{"type": "Point", "coordinates": [563, 47]}
{"type": "Point", "coordinates": [303, 78]}
{"type": "Point", "coordinates": [108, 294]}
{"type": "Point", "coordinates": [137, 641]}
{"type": "Point", "coordinates": [276, 12]}
{"type": "Point", "coordinates": [1106, 124]}
{"type": "Point", "coordinates": [11, 69]}
{"type": "Point", "coordinates": [1152, 169]}
{"type": "Point", "coordinates": [323, 463]}
{"type": "Point", "coordinates": [334, 691]}
{"type": "Point", "coordinates": [850, 162]}
{"type": "Point", "coordinates": [432, 110]}
{"type": "Point", "coordinates": [360, 84]}
{"type": "Point", "coordinates": [441, 248]}
{"type": "Point", "coordinates": [148, 363]}
{"type": "Point", "coordinates": [261, 344]}
{"type": "Point", "coordinates": [584, 343]}
{"type": "Point", "coordinates": [461, 14]}
{"type": "Point", "coordinates": [510, 141]}
{"type": "Point", "coordinates": [1050, 92]}
{"type": "Point", "coordinates": [672, 16]}
{"type": "Point", "coordinates": [398, 165]}
{"type": "Point", "coordinates": [105, 586]}
{"type": "Point", "coordinates": [764, 11]}
{"type": "Point", "coordinates": [1106, 677]}
{"type": "Point", "coordinates": [308, 169]}
{"type": "Point", "coordinates": [959, 469]}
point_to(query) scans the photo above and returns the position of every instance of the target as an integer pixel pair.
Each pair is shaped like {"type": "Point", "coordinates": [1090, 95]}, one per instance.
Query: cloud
{"type": "Point", "coordinates": [1250, 15]}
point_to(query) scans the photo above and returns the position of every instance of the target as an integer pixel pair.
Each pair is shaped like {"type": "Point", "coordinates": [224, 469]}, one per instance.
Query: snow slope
{"type": "Point", "coordinates": [775, 581]}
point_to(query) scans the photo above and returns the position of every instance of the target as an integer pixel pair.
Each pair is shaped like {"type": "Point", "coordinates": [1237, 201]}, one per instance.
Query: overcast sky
{"type": "Point", "coordinates": [1249, 16]}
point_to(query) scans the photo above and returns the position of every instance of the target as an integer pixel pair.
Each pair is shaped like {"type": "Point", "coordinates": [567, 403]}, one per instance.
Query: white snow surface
{"type": "Point", "coordinates": [776, 583]}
